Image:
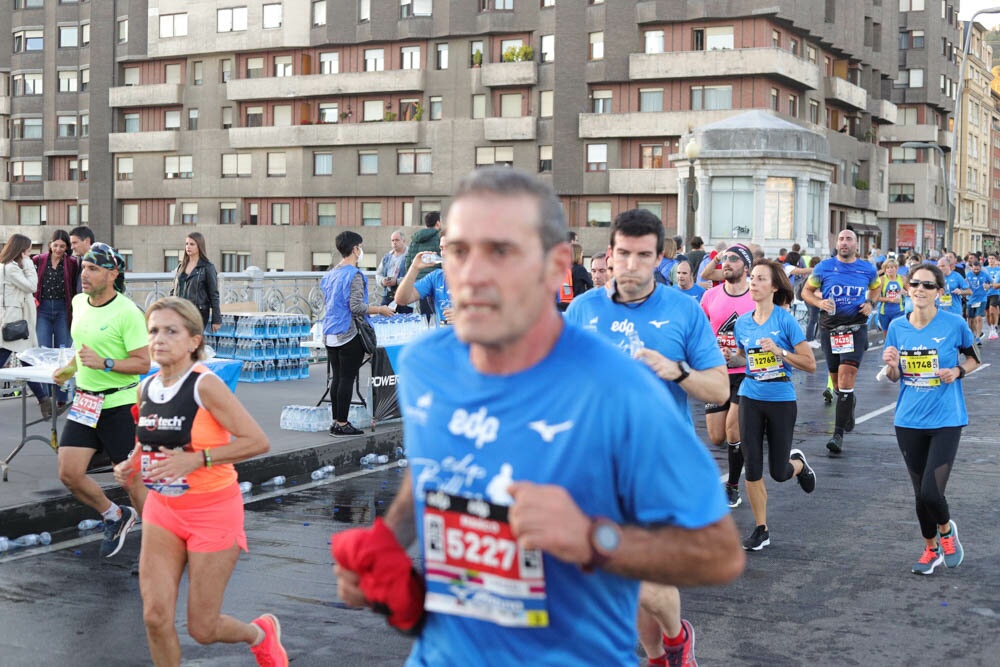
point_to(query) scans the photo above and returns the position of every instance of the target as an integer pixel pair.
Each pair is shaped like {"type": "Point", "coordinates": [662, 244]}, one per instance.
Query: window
{"type": "Point", "coordinates": [123, 31]}
{"type": "Point", "coordinates": [189, 213]}
{"type": "Point", "coordinates": [901, 193]}
{"type": "Point", "coordinates": [475, 47]}
{"type": "Point", "coordinates": [319, 12]}
{"type": "Point", "coordinates": [651, 156]}
{"type": "Point", "coordinates": [178, 166]}
{"type": "Point", "coordinates": [275, 260]}
{"type": "Point", "coordinates": [172, 120]}
{"type": "Point", "coordinates": [544, 159]}
{"type": "Point", "coordinates": [602, 101]}
{"type": "Point", "coordinates": [172, 73]}
{"type": "Point", "coordinates": [227, 213]}
{"type": "Point", "coordinates": [479, 106]}
{"type": "Point", "coordinates": [321, 261]}
{"type": "Point", "coordinates": [441, 60]}
{"type": "Point", "coordinates": [234, 262]}
{"type": "Point", "coordinates": [69, 36]}
{"type": "Point", "coordinates": [28, 84]}
{"type": "Point", "coordinates": [66, 126]}
{"type": "Point", "coordinates": [68, 81]}
{"type": "Point", "coordinates": [654, 41]}
{"type": "Point", "coordinates": [774, 99]}
{"type": "Point", "coordinates": [255, 68]}
{"type": "Point", "coordinates": [410, 57]}
{"type": "Point", "coordinates": [793, 46]}
{"type": "Point", "coordinates": [322, 164]}
{"type": "Point", "coordinates": [28, 40]}
{"type": "Point", "coordinates": [372, 111]}
{"type": "Point", "coordinates": [435, 108]}
{"type": "Point", "coordinates": [254, 117]}
{"type": "Point", "coordinates": [328, 112]}
{"type": "Point", "coordinates": [84, 34]}
{"type": "Point", "coordinates": [192, 119]}
{"type": "Point", "coordinates": [85, 125]}
{"type": "Point", "coordinates": [776, 39]}
{"type": "Point", "coordinates": [282, 66]}
{"type": "Point", "coordinates": [793, 106]}
{"type": "Point", "coordinates": [272, 16]}
{"type": "Point", "coordinates": [510, 105]}
{"type": "Point", "coordinates": [367, 163]}
{"type": "Point", "coordinates": [31, 214]}
{"type": "Point", "coordinates": [371, 214]}
{"type": "Point", "coordinates": [173, 25]}
{"type": "Point", "coordinates": [131, 76]}
{"type": "Point", "coordinates": [711, 97]}
{"type": "Point", "coordinates": [811, 54]}
{"type": "Point", "coordinates": [548, 48]}
{"type": "Point", "coordinates": [84, 79]}
{"type": "Point", "coordinates": [227, 117]}
{"type": "Point", "coordinates": [408, 109]}
{"type": "Point", "coordinates": [779, 207]}
{"type": "Point", "coordinates": [198, 72]}
{"type": "Point", "coordinates": [548, 3]}
{"type": "Point", "coordinates": [232, 19]}
{"type": "Point", "coordinates": [916, 78]}
{"type": "Point", "coordinates": [496, 5]}
{"type": "Point", "coordinates": [26, 171]}
{"type": "Point", "coordinates": [545, 103]}
{"type": "Point", "coordinates": [650, 99]}
{"type": "Point", "coordinates": [501, 155]}
{"type": "Point", "coordinates": [408, 8]}
{"type": "Point", "coordinates": [236, 165]}
{"type": "Point", "coordinates": [814, 111]}
{"type": "Point", "coordinates": [654, 207]}
{"type": "Point", "coordinates": [911, 5]}
{"type": "Point", "coordinates": [26, 128]}
{"type": "Point", "coordinates": [596, 46]}
{"type": "Point", "coordinates": [130, 218]}
{"type": "Point", "coordinates": [131, 122]}
{"type": "Point", "coordinates": [364, 10]}
{"type": "Point", "coordinates": [28, 4]}
{"type": "Point", "coordinates": [326, 215]}
{"type": "Point", "coordinates": [597, 157]}
{"type": "Point", "coordinates": [711, 39]}
{"type": "Point", "coordinates": [225, 70]}
{"type": "Point", "coordinates": [329, 62]}
{"type": "Point", "coordinates": [732, 207]}
{"type": "Point", "coordinates": [275, 164]}
{"type": "Point", "coordinates": [374, 60]}
{"type": "Point", "coordinates": [125, 169]}
{"type": "Point", "coordinates": [280, 213]}
{"type": "Point", "coordinates": [414, 161]}
{"type": "Point", "coordinates": [599, 214]}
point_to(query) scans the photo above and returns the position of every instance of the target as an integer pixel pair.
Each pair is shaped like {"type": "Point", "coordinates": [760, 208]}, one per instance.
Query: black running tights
{"type": "Point", "coordinates": [345, 362]}
{"type": "Point", "coordinates": [929, 455]}
{"type": "Point", "coordinates": [776, 419]}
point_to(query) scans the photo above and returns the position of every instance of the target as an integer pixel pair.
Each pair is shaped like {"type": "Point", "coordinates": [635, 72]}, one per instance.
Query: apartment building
{"type": "Point", "coordinates": [270, 125]}
{"type": "Point", "coordinates": [991, 240]}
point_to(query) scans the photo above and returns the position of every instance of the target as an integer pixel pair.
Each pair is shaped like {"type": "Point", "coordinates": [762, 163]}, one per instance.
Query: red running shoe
{"type": "Point", "coordinates": [270, 652]}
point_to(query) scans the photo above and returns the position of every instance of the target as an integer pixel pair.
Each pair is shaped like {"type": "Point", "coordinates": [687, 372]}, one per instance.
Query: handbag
{"type": "Point", "coordinates": [367, 333]}
{"type": "Point", "coordinates": [18, 329]}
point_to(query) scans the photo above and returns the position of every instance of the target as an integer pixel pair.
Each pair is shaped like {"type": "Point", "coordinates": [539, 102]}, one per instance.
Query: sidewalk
{"type": "Point", "coordinates": [33, 499]}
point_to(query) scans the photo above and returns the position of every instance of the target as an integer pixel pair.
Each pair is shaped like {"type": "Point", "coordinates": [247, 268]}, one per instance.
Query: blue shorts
{"type": "Point", "coordinates": [976, 311]}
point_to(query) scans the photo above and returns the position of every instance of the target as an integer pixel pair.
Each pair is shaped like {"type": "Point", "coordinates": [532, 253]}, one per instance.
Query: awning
{"type": "Point", "coordinates": [865, 230]}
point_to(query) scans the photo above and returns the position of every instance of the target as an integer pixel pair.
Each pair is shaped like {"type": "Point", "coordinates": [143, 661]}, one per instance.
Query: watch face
{"type": "Point", "coordinates": [109, 363]}
{"type": "Point", "coordinates": [607, 537]}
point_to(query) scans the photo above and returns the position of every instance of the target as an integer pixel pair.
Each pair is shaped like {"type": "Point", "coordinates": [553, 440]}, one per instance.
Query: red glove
{"type": "Point", "coordinates": [387, 577]}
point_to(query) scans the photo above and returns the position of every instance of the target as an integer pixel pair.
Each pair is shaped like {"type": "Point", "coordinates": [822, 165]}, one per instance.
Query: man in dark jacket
{"type": "Point", "coordinates": [425, 240]}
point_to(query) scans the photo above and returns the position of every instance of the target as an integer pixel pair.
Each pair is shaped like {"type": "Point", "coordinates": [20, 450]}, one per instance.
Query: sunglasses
{"type": "Point", "coordinates": [926, 284]}
{"type": "Point", "coordinates": [732, 258]}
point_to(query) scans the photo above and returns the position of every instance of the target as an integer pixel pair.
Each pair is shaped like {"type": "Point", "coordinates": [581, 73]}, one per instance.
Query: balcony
{"type": "Point", "coordinates": [509, 129]}
{"type": "Point", "coordinates": [153, 95]}
{"type": "Point", "coordinates": [143, 142]}
{"type": "Point", "coordinates": [648, 124]}
{"type": "Point", "coordinates": [57, 190]}
{"type": "Point", "coordinates": [642, 181]}
{"type": "Point", "coordinates": [901, 133]}
{"type": "Point", "coordinates": [882, 110]}
{"type": "Point", "coordinates": [770, 62]}
{"type": "Point", "coordinates": [496, 75]}
{"type": "Point", "coordinates": [317, 85]}
{"type": "Point", "coordinates": [945, 139]}
{"type": "Point", "coordinates": [336, 134]}
{"type": "Point", "coordinates": [845, 92]}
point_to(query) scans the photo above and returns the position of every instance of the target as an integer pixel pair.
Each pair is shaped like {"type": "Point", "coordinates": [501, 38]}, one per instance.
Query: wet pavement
{"type": "Point", "coordinates": [834, 587]}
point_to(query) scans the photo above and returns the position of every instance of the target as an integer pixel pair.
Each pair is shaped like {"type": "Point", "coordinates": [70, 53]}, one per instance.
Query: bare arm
{"type": "Point", "coordinates": [406, 293]}
{"type": "Point", "coordinates": [137, 362]}
{"type": "Point", "coordinates": [401, 518]}
{"type": "Point", "coordinates": [712, 271]}
{"type": "Point", "coordinates": [709, 386]}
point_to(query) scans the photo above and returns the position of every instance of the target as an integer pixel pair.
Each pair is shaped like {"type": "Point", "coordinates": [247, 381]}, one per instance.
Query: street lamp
{"type": "Point", "coordinates": [949, 228]}
{"type": "Point", "coordinates": [950, 214]}
{"type": "Point", "coordinates": [692, 150]}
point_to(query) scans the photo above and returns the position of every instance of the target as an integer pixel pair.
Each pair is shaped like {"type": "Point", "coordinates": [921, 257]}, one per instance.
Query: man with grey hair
{"type": "Point", "coordinates": [599, 269]}
{"type": "Point", "coordinates": [517, 458]}
{"type": "Point", "coordinates": [391, 269]}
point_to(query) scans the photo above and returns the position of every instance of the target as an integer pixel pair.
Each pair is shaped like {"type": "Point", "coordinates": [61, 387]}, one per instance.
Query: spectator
{"type": "Point", "coordinates": [697, 252]}
{"type": "Point", "coordinates": [20, 280]}
{"type": "Point", "coordinates": [80, 240]}
{"type": "Point", "coordinates": [581, 278]}
{"type": "Point", "coordinates": [58, 276]}
{"type": "Point", "coordinates": [197, 281]}
{"type": "Point", "coordinates": [391, 270]}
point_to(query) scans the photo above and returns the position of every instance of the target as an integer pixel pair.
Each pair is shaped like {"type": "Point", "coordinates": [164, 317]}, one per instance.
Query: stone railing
{"type": "Point", "coordinates": [272, 291]}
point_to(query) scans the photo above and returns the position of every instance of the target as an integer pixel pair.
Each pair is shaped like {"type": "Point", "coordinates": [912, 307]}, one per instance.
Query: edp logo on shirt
{"type": "Point", "coordinates": [477, 426]}
{"type": "Point", "coordinates": [623, 326]}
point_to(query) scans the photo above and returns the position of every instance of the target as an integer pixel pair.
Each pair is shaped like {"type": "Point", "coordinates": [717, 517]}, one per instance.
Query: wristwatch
{"type": "Point", "coordinates": [109, 364]}
{"type": "Point", "coordinates": [605, 537]}
{"type": "Point", "coordinates": [685, 371]}
{"type": "Point", "coordinates": [784, 353]}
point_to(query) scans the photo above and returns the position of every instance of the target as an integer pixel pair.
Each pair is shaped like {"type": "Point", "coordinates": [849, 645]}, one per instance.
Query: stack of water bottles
{"type": "Point", "coordinates": [268, 344]}
{"type": "Point", "coordinates": [306, 418]}
{"type": "Point", "coordinates": [399, 329]}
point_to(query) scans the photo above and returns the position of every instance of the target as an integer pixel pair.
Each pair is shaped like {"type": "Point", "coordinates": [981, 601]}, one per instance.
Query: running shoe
{"type": "Point", "coordinates": [116, 531]}
{"type": "Point", "coordinates": [951, 547]}
{"type": "Point", "coordinates": [733, 495]}
{"type": "Point", "coordinates": [758, 539]}
{"type": "Point", "coordinates": [683, 655]}
{"type": "Point", "coordinates": [929, 560]}
{"type": "Point", "coordinates": [807, 477]}
{"type": "Point", "coordinates": [347, 429]}
{"type": "Point", "coordinates": [993, 335]}
{"type": "Point", "coordinates": [827, 396]}
{"type": "Point", "coordinates": [836, 445]}
{"type": "Point", "coordinates": [815, 344]}
{"type": "Point", "coordinates": [269, 652]}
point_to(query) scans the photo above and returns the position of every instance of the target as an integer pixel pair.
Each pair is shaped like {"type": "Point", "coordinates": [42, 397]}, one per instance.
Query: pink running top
{"type": "Point", "coordinates": [722, 310]}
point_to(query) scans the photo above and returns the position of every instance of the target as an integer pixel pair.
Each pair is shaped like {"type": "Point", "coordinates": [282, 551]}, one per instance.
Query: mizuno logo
{"type": "Point", "coordinates": [937, 340]}
{"type": "Point", "coordinates": [775, 333]}
{"type": "Point", "coordinates": [548, 432]}
{"type": "Point", "coordinates": [425, 400]}
{"type": "Point", "coordinates": [659, 323]}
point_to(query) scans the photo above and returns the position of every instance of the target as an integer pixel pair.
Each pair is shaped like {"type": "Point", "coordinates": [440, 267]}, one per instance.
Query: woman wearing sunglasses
{"type": "Point", "coordinates": [923, 351]}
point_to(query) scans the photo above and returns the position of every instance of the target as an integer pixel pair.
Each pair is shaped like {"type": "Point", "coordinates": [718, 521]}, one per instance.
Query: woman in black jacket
{"type": "Point", "coordinates": [198, 282]}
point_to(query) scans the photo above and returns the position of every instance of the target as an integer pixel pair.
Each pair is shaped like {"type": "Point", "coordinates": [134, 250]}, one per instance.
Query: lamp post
{"type": "Point", "coordinates": [950, 213]}
{"type": "Point", "coordinates": [949, 227]}
{"type": "Point", "coordinates": [692, 150]}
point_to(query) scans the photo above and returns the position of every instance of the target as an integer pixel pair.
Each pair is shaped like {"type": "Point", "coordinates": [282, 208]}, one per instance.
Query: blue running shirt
{"type": "Point", "coordinates": [695, 291]}
{"type": "Point", "coordinates": [623, 452]}
{"type": "Point", "coordinates": [980, 284]}
{"type": "Point", "coordinates": [847, 283]}
{"type": "Point", "coordinates": [994, 273]}
{"type": "Point", "coordinates": [433, 285]}
{"type": "Point", "coordinates": [949, 302]}
{"type": "Point", "coordinates": [782, 328]}
{"type": "Point", "coordinates": [924, 403]}
{"type": "Point", "coordinates": [668, 321]}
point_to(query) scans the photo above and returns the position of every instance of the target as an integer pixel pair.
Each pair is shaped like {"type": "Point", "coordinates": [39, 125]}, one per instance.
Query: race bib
{"type": "Point", "coordinates": [946, 300]}
{"type": "Point", "coordinates": [919, 368]}
{"type": "Point", "coordinates": [474, 566]}
{"type": "Point", "coordinates": [976, 305]}
{"type": "Point", "coordinates": [86, 408]}
{"type": "Point", "coordinates": [764, 365]}
{"type": "Point", "coordinates": [842, 343]}
{"type": "Point", "coordinates": [726, 340]}
{"type": "Point", "coordinates": [147, 458]}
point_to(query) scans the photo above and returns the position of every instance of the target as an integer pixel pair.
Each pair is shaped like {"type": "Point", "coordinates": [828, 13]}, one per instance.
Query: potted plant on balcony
{"type": "Point", "coordinates": [418, 111]}
{"type": "Point", "coordinates": [477, 58]}
{"type": "Point", "coordinates": [390, 116]}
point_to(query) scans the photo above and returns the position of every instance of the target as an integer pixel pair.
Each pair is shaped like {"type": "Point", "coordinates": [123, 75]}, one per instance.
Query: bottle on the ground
{"type": "Point", "coordinates": [89, 524]}
{"type": "Point", "coordinates": [278, 480]}
{"type": "Point", "coordinates": [31, 540]}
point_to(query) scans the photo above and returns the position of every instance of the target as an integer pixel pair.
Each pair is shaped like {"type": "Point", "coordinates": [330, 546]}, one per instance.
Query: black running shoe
{"type": "Point", "coordinates": [758, 539]}
{"type": "Point", "coordinates": [733, 495]}
{"type": "Point", "coordinates": [347, 429]}
{"type": "Point", "coordinates": [806, 478]}
{"type": "Point", "coordinates": [836, 445]}
{"type": "Point", "coordinates": [116, 531]}
{"type": "Point", "coordinates": [827, 396]}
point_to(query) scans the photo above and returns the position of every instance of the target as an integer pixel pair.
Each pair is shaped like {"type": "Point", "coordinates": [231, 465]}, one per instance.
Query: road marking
{"type": "Point", "coordinates": [875, 413]}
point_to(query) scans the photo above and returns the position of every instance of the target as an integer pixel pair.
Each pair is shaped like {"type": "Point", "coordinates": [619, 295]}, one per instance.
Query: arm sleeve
{"type": "Point", "coordinates": [212, 287]}
{"type": "Point", "coordinates": [358, 305]}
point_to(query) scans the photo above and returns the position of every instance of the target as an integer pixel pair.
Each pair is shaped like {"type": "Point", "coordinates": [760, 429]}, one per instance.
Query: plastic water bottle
{"type": "Point", "coordinates": [322, 473]}
{"type": "Point", "coordinates": [881, 373]}
{"type": "Point", "coordinates": [382, 459]}
{"type": "Point", "coordinates": [32, 540]}
{"type": "Point", "coordinates": [278, 480]}
{"type": "Point", "coordinates": [431, 258]}
{"type": "Point", "coordinates": [245, 487]}
{"type": "Point", "coordinates": [89, 524]}
{"type": "Point", "coordinates": [402, 463]}
{"type": "Point", "coordinates": [635, 344]}
{"type": "Point", "coordinates": [4, 544]}
{"type": "Point", "coordinates": [400, 453]}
